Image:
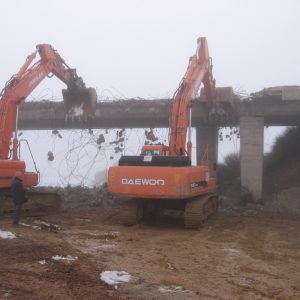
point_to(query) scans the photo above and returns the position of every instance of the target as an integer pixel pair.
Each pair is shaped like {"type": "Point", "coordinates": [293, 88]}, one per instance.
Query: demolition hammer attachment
{"type": "Point", "coordinates": [80, 103]}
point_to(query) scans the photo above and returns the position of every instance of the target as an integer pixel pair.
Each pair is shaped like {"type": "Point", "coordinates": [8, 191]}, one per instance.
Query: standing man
{"type": "Point", "coordinates": [18, 193]}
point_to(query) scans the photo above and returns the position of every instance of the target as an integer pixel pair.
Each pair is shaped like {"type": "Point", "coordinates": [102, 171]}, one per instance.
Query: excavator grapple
{"type": "Point", "coordinates": [80, 103]}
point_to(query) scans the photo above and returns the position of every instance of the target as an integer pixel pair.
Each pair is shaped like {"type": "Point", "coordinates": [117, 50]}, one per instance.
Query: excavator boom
{"type": "Point", "coordinates": [199, 71]}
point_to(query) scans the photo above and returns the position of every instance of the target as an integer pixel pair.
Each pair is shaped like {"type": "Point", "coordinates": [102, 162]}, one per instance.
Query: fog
{"type": "Point", "coordinates": [141, 49]}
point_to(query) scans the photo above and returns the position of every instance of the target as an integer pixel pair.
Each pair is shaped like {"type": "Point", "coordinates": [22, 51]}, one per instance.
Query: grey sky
{"type": "Point", "coordinates": [141, 48]}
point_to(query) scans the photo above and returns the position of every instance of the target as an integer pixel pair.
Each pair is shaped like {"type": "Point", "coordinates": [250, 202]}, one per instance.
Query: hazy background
{"type": "Point", "coordinates": [141, 48]}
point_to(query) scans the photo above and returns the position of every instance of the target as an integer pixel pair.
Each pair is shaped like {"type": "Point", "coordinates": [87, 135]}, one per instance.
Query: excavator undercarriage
{"type": "Point", "coordinates": [199, 209]}
{"type": "Point", "coordinates": [196, 210]}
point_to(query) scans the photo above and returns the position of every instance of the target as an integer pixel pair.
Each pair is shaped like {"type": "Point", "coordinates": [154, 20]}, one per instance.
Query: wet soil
{"type": "Point", "coordinates": [233, 256]}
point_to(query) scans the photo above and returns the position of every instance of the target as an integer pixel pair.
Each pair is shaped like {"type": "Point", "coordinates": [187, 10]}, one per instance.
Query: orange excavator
{"type": "Point", "coordinates": [163, 176]}
{"type": "Point", "coordinates": [79, 102]}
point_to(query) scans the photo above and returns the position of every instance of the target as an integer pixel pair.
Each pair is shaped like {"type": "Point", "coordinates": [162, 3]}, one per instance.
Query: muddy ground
{"type": "Point", "coordinates": [234, 256]}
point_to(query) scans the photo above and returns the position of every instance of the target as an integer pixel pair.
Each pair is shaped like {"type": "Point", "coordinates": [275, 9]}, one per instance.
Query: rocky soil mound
{"type": "Point", "coordinates": [79, 197]}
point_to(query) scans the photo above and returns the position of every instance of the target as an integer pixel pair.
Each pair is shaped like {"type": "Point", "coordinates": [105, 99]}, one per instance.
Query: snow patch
{"type": "Point", "coordinates": [31, 226]}
{"type": "Point", "coordinates": [115, 277]}
{"type": "Point", "coordinates": [67, 258]}
{"type": "Point", "coordinates": [46, 226]}
{"type": "Point", "coordinates": [6, 294]}
{"type": "Point", "coordinates": [39, 225]}
{"type": "Point", "coordinates": [83, 220]}
{"type": "Point", "coordinates": [232, 251]}
{"type": "Point", "coordinates": [173, 289]}
{"type": "Point", "coordinates": [7, 235]}
{"type": "Point", "coordinates": [106, 247]}
{"type": "Point", "coordinates": [105, 235]}
{"type": "Point", "coordinates": [169, 266]}
{"type": "Point", "coordinates": [42, 262]}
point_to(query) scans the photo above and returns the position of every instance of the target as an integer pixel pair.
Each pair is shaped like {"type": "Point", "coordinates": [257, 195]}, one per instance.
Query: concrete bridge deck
{"type": "Point", "coordinates": [155, 113]}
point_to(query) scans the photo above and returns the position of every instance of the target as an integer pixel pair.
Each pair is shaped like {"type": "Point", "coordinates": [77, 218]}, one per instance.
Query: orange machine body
{"type": "Point", "coordinates": [8, 170]}
{"type": "Point", "coordinates": [160, 182]}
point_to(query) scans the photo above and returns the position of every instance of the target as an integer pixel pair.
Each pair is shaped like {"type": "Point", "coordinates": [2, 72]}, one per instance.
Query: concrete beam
{"type": "Point", "coordinates": [275, 112]}
{"type": "Point", "coordinates": [155, 113]}
{"type": "Point", "coordinates": [116, 114]}
{"type": "Point", "coordinates": [251, 154]}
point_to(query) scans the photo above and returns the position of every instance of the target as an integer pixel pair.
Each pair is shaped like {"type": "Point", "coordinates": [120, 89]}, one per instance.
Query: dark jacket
{"type": "Point", "coordinates": [18, 191]}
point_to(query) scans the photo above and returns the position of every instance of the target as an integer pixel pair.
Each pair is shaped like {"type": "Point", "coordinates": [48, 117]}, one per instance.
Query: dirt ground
{"type": "Point", "coordinates": [234, 256]}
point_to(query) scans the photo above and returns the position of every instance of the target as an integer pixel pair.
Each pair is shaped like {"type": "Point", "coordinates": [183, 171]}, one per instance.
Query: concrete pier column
{"type": "Point", "coordinates": [207, 135]}
{"type": "Point", "coordinates": [251, 154]}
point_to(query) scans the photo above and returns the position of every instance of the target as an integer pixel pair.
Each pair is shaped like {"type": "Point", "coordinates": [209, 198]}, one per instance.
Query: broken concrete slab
{"type": "Point", "coordinates": [284, 93]}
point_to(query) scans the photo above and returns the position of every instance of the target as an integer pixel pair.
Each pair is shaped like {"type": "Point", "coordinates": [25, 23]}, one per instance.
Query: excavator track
{"type": "Point", "coordinates": [197, 210]}
{"type": "Point", "coordinates": [40, 203]}
{"type": "Point", "coordinates": [131, 212]}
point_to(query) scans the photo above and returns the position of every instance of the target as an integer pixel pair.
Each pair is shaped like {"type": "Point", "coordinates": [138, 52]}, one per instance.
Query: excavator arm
{"type": "Point", "coordinates": [12, 98]}
{"type": "Point", "coordinates": [199, 71]}
{"type": "Point", "coordinates": [27, 79]}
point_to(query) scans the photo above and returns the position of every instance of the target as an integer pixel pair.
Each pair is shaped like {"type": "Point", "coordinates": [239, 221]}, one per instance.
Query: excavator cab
{"type": "Point", "coordinates": [79, 102]}
{"type": "Point", "coordinates": [155, 150]}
